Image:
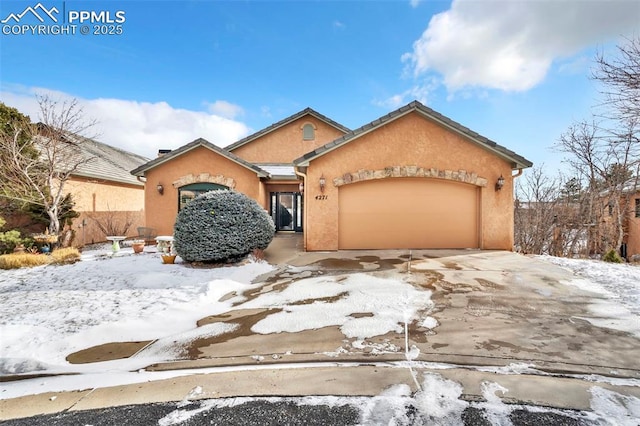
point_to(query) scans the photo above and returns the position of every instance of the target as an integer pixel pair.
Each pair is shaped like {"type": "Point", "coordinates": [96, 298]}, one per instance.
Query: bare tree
{"type": "Point", "coordinates": [547, 215]}
{"type": "Point", "coordinates": [536, 198]}
{"type": "Point", "coordinates": [620, 78]}
{"type": "Point", "coordinates": [36, 171]}
{"type": "Point", "coordinates": [593, 206]}
{"type": "Point", "coordinates": [112, 223]}
{"type": "Point", "coordinates": [606, 161]}
{"type": "Point", "coordinates": [621, 179]}
{"type": "Point", "coordinates": [588, 160]}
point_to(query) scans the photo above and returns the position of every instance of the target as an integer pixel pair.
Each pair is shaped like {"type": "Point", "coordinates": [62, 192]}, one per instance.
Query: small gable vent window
{"type": "Point", "coordinates": [308, 132]}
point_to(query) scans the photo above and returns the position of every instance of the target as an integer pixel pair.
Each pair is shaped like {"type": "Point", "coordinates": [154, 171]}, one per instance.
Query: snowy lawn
{"type": "Point", "coordinates": [50, 312]}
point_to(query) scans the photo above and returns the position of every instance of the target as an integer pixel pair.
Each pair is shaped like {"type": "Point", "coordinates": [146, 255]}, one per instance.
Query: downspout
{"type": "Point", "coordinates": [514, 190]}
{"type": "Point", "coordinates": [304, 195]}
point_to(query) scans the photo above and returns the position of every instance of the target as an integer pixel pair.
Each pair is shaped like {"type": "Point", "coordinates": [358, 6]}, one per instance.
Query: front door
{"type": "Point", "coordinates": [286, 211]}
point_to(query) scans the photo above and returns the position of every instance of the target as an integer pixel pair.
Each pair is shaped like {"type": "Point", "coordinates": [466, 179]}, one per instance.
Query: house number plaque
{"type": "Point", "coordinates": [321, 197]}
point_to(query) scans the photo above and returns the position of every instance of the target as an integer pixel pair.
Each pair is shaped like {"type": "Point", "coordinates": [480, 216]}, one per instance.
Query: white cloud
{"type": "Point", "coordinates": [419, 92]}
{"type": "Point", "coordinates": [392, 102]}
{"type": "Point", "coordinates": [141, 127]}
{"type": "Point", "coordinates": [510, 45]}
{"type": "Point", "coordinates": [414, 3]}
{"type": "Point", "coordinates": [338, 25]}
{"type": "Point", "coordinates": [225, 109]}
{"type": "Point", "coordinates": [265, 111]}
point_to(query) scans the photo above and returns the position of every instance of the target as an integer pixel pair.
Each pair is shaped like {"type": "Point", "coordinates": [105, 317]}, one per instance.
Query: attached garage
{"type": "Point", "coordinates": [412, 179]}
{"type": "Point", "coordinates": [405, 213]}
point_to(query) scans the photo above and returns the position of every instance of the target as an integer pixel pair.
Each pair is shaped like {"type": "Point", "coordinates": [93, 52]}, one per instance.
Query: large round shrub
{"type": "Point", "coordinates": [221, 225]}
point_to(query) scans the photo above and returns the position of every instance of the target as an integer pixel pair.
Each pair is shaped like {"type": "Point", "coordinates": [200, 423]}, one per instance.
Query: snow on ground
{"type": "Point", "coordinates": [51, 311]}
{"type": "Point", "coordinates": [618, 288]}
{"type": "Point", "coordinates": [360, 293]}
{"type": "Point", "coordinates": [436, 402]}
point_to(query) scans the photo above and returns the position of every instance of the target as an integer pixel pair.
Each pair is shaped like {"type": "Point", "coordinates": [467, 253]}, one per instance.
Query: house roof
{"type": "Point", "coordinates": [140, 171]}
{"type": "Point", "coordinates": [275, 126]}
{"type": "Point", "coordinates": [105, 162]}
{"type": "Point", "coordinates": [517, 161]}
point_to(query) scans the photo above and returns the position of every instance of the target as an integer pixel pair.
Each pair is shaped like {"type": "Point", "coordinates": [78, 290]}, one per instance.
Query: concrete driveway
{"type": "Point", "coordinates": [497, 313]}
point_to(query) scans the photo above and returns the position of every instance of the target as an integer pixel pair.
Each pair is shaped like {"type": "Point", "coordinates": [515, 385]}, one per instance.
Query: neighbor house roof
{"type": "Point", "coordinates": [517, 161]}
{"type": "Point", "coordinates": [275, 126]}
{"type": "Point", "coordinates": [140, 171]}
{"type": "Point", "coordinates": [104, 162]}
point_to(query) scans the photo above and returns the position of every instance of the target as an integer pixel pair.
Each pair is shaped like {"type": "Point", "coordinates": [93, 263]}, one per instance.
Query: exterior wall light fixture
{"type": "Point", "coordinates": [301, 187]}
{"type": "Point", "coordinates": [500, 183]}
{"type": "Point", "coordinates": [160, 189]}
{"type": "Point", "coordinates": [322, 182]}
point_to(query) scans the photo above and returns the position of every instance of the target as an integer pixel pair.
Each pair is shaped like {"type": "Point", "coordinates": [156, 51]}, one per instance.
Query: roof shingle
{"type": "Point", "coordinates": [105, 162]}
{"type": "Point", "coordinates": [140, 171]}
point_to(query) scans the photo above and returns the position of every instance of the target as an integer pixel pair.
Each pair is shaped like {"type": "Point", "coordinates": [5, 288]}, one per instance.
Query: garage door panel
{"type": "Point", "coordinates": [408, 213]}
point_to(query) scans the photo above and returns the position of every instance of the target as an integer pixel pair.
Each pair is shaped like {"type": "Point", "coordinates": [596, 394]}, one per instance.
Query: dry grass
{"type": "Point", "coordinates": [23, 260]}
{"type": "Point", "coordinates": [28, 260]}
{"type": "Point", "coordinates": [65, 255]}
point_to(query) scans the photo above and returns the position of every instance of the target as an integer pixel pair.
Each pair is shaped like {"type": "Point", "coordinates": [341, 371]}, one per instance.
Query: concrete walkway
{"type": "Point", "coordinates": [496, 312]}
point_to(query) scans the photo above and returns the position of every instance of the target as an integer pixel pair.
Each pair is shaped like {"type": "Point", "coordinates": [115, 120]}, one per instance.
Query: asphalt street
{"type": "Point", "coordinates": [264, 413]}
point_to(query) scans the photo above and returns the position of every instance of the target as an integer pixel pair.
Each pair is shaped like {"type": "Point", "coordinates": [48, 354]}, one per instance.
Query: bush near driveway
{"type": "Point", "coordinates": [221, 226]}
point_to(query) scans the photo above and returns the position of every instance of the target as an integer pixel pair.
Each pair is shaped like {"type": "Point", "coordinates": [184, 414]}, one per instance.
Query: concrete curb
{"type": "Point", "coordinates": [548, 391]}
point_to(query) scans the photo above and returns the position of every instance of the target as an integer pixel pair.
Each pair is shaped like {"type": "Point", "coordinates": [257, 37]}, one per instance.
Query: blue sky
{"type": "Point", "coordinates": [514, 71]}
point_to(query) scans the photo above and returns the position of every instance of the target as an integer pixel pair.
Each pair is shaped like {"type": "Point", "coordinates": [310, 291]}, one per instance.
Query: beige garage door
{"type": "Point", "coordinates": [408, 213]}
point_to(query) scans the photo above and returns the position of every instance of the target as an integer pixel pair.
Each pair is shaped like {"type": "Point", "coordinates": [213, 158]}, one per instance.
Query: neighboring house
{"type": "Point", "coordinates": [105, 192]}
{"type": "Point", "coordinates": [633, 227]}
{"type": "Point", "coordinates": [410, 179]}
{"type": "Point", "coordinates": [630, 202]}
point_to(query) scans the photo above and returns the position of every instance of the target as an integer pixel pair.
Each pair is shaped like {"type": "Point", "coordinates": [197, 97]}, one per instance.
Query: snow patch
{"type": "Point", "coordinates": [497, 411]}
{"type": "Point", "coordinates": [608, 405]}
{"type": "Point", "coordinates": [439, 400]}
{"type": "Point", "coordinates": [355, 294]}
{"type": "Point", "coordinates": [430, 323]}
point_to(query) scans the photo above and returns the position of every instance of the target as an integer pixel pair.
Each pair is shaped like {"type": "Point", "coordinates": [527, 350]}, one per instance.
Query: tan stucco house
{"type": "Point", "coordinates": [105, 192]}
{"type": "Point", "coordinates": [633, 228]}
{"type": "Point", "coordinates": [410, 179]}
{"type": "Point", "coordinates": [629, 203]}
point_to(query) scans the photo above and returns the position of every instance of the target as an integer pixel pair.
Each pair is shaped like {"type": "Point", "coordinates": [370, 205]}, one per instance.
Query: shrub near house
{"type": "Point", "coordinates": [220, 226]}
{"type": "Point", "coordinates": [9, 239]}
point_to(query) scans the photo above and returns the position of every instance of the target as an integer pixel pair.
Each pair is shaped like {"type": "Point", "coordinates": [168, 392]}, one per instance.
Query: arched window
{"type": "Point", "coordinates": [308, 132]}
{"type": "Point", "coordinates": [189, 192]}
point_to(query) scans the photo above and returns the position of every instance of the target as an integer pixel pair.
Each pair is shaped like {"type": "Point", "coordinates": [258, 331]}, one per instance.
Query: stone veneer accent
{"type": "Point", "coordinates": [410, 171]}
{"type": "Point", "coordinates": [204, 177]}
